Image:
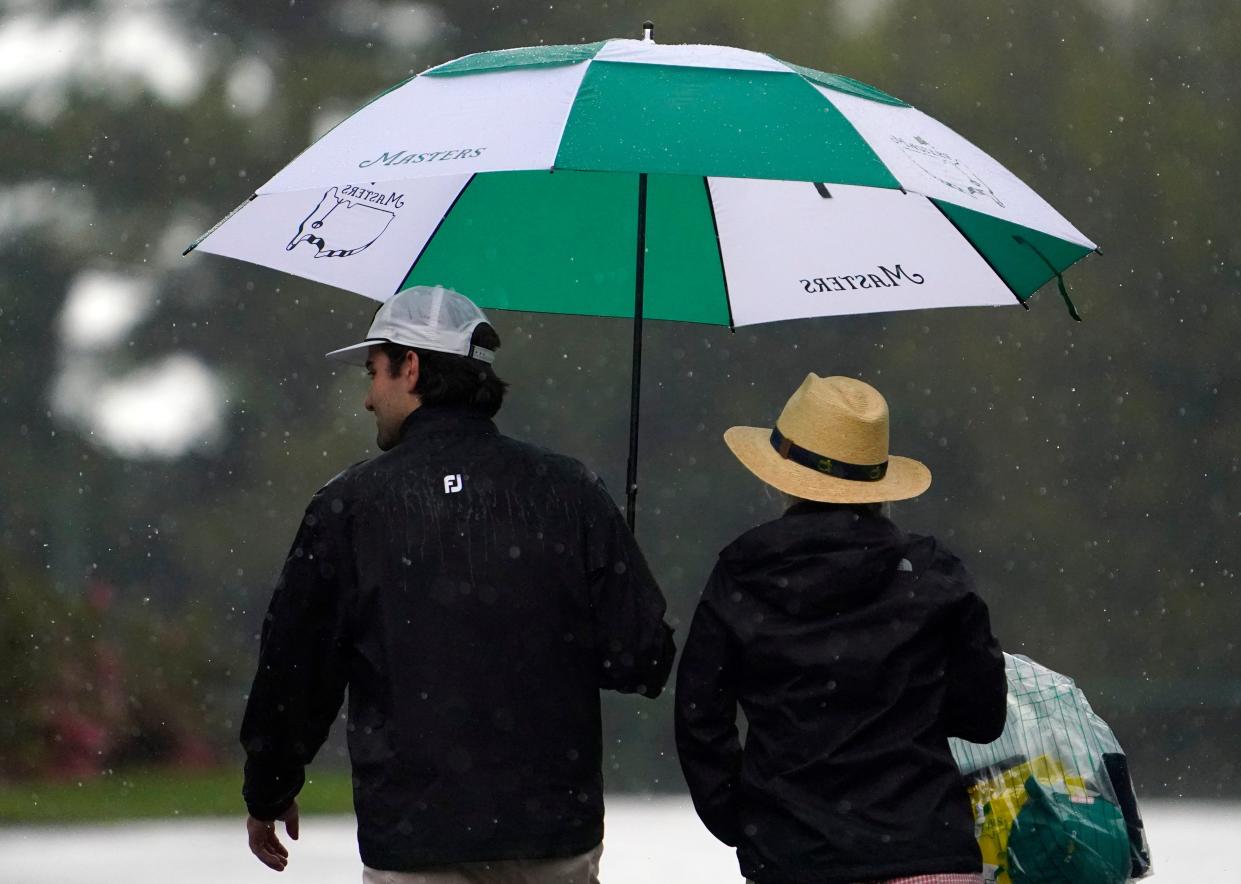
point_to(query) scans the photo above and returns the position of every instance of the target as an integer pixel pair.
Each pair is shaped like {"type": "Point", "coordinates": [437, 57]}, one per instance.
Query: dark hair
{"type": "Point", "coordinates": [449, 379]}
{"type": "Point", "coordinates": [872, 510]}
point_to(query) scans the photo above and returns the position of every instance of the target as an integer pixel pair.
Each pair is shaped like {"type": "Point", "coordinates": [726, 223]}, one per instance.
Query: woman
{"type": "Point", "coordinates": [855, 650]}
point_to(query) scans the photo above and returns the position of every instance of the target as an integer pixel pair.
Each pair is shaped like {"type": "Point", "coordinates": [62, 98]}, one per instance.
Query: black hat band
{"type": "Point", "coordinates": [826, 465]}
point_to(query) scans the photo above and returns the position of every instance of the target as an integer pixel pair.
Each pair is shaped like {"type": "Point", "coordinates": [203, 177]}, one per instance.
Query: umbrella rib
{"type": "Point", "coordinates": [978, 250]}
{"type": "Point", "coordinates": [195, 244]}
{"type": "Point", "coordinates": [719, 249]}
{"type": "Point", "coordinates": [426, 245]}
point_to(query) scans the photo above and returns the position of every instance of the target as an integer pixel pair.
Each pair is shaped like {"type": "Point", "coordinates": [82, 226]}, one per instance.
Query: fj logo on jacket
{"type": "Point", "coordinates": [452, 484]}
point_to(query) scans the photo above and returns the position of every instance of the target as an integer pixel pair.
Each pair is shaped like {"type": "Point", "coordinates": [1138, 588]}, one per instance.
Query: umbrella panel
{"type": "Point", "coordinates": [564, 242]}
{"type": "Point", "coordinates": [638, 118]}
{"type": "Point", "coordinates": [521, 57]}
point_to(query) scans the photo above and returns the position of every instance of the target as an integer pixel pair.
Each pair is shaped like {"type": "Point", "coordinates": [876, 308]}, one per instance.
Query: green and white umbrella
{"type": "Point", "coordinates": [629, 178]}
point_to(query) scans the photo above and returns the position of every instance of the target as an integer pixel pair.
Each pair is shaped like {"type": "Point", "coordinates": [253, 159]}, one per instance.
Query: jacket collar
{"type": "Point", "coordinates": [835, 516]}
{"type": "Point", "coordinates": [433, 419]}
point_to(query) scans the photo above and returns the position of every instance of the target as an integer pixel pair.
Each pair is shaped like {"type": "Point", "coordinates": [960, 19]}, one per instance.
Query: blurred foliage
{"type": "Point", "coordinates": [156, 794]}
{"type": "Point", "coordinates": [1086, 473]}
{"type": "Point", "coordinates": [92, 683]}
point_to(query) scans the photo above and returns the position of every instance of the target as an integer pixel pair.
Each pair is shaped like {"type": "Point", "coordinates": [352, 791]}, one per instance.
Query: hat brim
{"type": "Point", "coordinates": [354, 354]}
{"type": "Point", "coordinates": [357, 354]}
{"type": "Point", "coordinates": [904, 479]}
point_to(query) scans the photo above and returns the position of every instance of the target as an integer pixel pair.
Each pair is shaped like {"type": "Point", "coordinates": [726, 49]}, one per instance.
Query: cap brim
{"type": "Point", "coordinates": [354, 354]}
{"type": "Point", "coordinates": [904, 479]}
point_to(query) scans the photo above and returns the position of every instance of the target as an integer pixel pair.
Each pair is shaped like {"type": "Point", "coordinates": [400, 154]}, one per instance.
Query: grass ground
{"type": "Point", "coordinates": [155, 794]}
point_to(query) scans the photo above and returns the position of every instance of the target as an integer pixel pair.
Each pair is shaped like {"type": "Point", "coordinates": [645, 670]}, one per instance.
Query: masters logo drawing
{"type": "Point", "coordinates": [945, 168]}
{"type": "Point", "coordinates": [346, 221]}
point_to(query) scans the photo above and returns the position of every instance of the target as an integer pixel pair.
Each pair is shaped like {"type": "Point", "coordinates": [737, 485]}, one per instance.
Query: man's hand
{"type": "Point", "coordinates": [263, 841]}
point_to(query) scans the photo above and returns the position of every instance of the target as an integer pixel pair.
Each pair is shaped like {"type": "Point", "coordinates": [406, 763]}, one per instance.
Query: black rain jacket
{"type": "Point", "coordinates": [854, 651]}
{"type": "Point", "coordinates": [474, 593]}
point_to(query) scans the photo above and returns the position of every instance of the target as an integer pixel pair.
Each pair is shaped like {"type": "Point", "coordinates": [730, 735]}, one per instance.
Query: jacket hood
{"type": "Point", "coordinates": [816, 558]}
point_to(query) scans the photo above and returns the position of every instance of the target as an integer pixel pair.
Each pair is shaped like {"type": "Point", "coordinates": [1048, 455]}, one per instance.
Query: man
{"type": "Point", "coordinates": [474, 593]}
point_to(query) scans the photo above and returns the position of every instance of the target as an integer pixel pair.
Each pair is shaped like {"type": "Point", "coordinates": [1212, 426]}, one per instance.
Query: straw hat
{"type": "Point", "coordinates": [831, 444]}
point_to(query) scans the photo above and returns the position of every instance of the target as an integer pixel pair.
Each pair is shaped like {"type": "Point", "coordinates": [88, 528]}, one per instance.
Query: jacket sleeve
{"type": "Point", "coordinates": [976, 700]}
{"type": "Point", "coordinates": [634, 647]}
{"type": "Point", "coordinates": [302, 669]}
{"type": "Point", "coordinates": [708, 744]}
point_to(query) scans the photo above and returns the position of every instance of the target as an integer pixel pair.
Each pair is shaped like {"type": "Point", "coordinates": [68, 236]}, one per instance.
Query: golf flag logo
{"type": "Point", "coordinates": [346, 221]}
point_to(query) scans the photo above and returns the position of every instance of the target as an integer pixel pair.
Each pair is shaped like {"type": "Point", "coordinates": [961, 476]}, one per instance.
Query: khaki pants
{"type": "Point", "coordinates": [581, 869]}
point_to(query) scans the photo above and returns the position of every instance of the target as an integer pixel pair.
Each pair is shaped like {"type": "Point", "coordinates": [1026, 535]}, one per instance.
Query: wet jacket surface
{"type": "Point", "coordinates": [473, 593]}
{"type": "Point", "coordinates": [854, 651]}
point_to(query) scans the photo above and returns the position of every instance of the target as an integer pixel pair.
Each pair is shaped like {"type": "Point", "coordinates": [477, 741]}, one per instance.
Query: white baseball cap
{"type": "Point", "coordinates": [426, 317]}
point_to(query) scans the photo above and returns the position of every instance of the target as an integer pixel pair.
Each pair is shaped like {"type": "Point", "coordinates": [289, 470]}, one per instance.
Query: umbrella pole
{"type": "Point", "coordinates": [631, 479]}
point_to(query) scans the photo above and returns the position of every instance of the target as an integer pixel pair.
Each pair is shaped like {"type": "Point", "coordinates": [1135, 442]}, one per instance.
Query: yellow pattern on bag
{"type": "Point", "coordinates": [998, 800]}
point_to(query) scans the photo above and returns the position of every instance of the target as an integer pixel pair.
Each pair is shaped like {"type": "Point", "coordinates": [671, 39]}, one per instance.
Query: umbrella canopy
{"type": "Point", "coordinates": [628, 178]}
{"type": "Point", "coordinates": [769, 192]}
